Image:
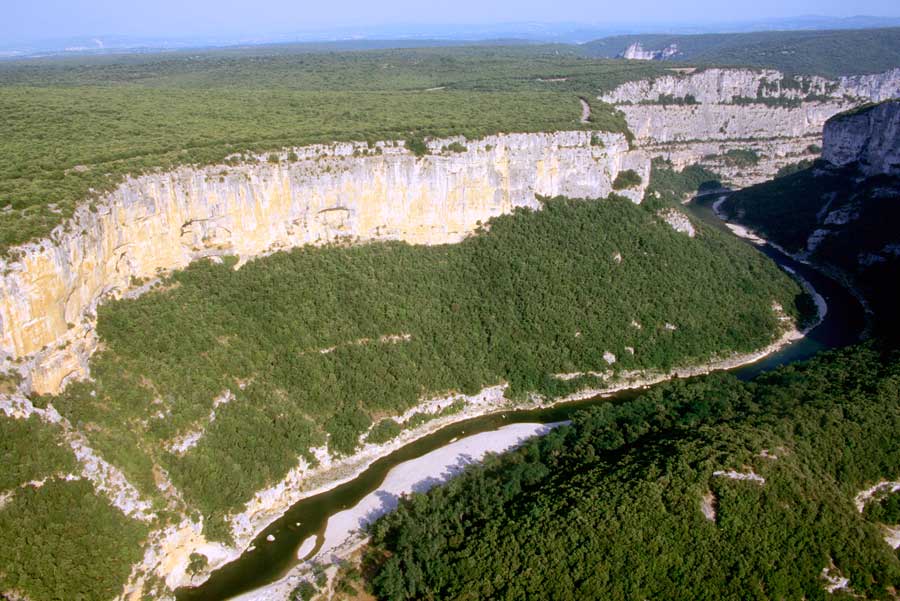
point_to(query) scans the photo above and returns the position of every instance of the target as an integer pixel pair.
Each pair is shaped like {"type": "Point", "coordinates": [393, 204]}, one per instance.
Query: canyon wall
{"type": "Point", "coordinates": [868, 137]}
{"type": "Point", "coordinates": [698, 116]}
{"type": "Point", "coordinates": [314, 195]}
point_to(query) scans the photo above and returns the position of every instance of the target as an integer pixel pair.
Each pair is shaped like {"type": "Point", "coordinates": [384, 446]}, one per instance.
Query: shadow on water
{"type": "Point", "coordinates": [269, 561]}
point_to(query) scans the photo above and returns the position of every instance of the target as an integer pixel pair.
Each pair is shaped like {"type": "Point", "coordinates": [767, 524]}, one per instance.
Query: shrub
{"type": "Point", "coordinates": [627, 179]}
{"type": "Point", "coordinates": [455, 147]}
{"type": "Point", "coordinates": [197, 562]}
{"type": "Point", "coordinates": [417, 146]}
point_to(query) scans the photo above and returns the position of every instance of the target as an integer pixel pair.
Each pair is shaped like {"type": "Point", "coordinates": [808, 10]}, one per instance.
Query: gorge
{"type": "Point", "coordinates": [285, 273]}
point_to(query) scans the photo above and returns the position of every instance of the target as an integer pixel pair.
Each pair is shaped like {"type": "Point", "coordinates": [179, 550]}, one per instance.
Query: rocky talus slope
{"type": "Point", "coordinates": [155, 223]}
{"type": "Point", "coordinates": [698, 117]}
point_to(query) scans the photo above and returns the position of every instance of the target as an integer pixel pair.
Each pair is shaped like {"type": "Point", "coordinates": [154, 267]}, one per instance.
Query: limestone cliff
{"type": "Point", "coordinates": [636, 52]}
{"type": "Point", "coordinates": [699, 115]}
{"type": "Point", "coordinates": [313, 195]}
{"type": "Point", "coordinates": [868, 137]}
{"type": "Point", "coordinates": [877, 87]}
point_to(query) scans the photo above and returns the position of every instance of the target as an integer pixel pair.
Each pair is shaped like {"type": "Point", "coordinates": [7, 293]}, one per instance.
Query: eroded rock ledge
{"type": "Point", "coordinates": [312, 195]}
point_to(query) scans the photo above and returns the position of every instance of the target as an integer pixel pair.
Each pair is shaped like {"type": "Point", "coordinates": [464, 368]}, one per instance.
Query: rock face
{"type": "Point", "coordinates": [878, 87]}
{"type": "Point", "coordinates": [159, 222]}
{"type": "Point", "coordinates": [697, 117]}
{"type": "Point", "coordinates": [636, 52]}
{"type": "Point", "coordinates": [868, 137]}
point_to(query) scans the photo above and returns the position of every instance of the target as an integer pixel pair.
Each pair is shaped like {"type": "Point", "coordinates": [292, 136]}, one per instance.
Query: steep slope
{"type": "Point", "coordinates": [841, 212]}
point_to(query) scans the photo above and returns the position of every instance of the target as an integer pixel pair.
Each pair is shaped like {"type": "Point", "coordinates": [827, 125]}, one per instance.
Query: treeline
{"type": "Point", "coordinates": [537, 294]}
{"type": "Point", "coordinates": [612, 507]}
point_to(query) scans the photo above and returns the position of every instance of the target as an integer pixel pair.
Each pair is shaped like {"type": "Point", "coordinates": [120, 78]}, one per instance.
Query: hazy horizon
{"type": "Point", "coordinates": [56, 19]}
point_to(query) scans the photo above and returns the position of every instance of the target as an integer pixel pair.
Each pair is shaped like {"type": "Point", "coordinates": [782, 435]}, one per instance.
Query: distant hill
{"type": "Point", "coordinates": [829, 53]}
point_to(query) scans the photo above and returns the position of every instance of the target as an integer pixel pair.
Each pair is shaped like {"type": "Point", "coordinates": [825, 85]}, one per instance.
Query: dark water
{"type": "Point", "coordinates": [269, 561]}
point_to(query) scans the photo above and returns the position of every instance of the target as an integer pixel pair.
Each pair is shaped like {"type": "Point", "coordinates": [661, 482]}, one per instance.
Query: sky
{"type": "Point", "coordinates": [24, 20]}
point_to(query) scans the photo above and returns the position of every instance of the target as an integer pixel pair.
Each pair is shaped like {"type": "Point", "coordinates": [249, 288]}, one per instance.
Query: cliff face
{"type": "Point", "coordinates": [868, 137]}
{"type": "Point", "coordinates": [878, 87]}
{"type": "Point", "coordinates": [636, 52]}
{"type": "Point", "coordinates": [160, 222]}
{"type": "Point", "coordinates": [695, 117]}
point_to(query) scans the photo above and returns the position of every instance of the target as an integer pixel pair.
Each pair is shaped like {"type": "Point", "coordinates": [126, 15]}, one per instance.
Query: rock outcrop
{"type": "Point", "coordinates": [868, 137]}
{"type": "Point", "coordinates": [697, 117]}
{"type": "Point", "coordinates": [636, 52]}
{"type": "Point", "coordinates": [313, 195]}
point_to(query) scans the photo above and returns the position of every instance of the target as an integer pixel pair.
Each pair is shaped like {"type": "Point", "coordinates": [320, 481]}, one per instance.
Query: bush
{"type": "Point", "coordinates": [303, 591]}
{"type": "Point", "coordinates": [627, 179]}
{"type": "Point", "coordinates": [417, 146]}
{"type": "Point", "coordinates": [197, 562]}
{"type": "Point", "coordinates": [385, 430]}
{"type": "Point", "coordinates": [741, 157]}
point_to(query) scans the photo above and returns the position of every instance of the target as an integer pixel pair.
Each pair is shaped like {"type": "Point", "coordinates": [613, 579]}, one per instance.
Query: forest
{"type": "Point", "coordinates": [630, 501]}
{"type": "Point", "coordinates": [61, 541]}
{"type": "Point", "coordinates": [71, 129]}
{"type": "Point", "coordinates": [319, 344]}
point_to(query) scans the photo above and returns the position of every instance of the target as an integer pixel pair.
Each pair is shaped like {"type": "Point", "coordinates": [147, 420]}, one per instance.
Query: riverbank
{"type": "Point", "coordinates": [342, 538]}
{"type": "Point", "coordinates": [844, 279]}
{"type": "Point", "coordinates": [305, 483]}
{"type": "Point", "coordinates": [339, 550]}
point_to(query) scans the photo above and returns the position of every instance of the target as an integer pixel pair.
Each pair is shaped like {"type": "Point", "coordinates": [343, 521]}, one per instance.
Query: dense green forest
{"type": "Point", "coordinates": [61, 541]}
{"type": "Point", "coordinates": [318, 344]}
{"type": "Point", "coordinates": [612, 507]}
{"type": "Point", "coordinates": [828, 53]}
{"type": "Point", "coordinates": [74, 128]}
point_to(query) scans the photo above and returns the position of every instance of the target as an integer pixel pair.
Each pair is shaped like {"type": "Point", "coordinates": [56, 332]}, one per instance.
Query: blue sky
{"type": "Point", "coordinates": [43, 19]}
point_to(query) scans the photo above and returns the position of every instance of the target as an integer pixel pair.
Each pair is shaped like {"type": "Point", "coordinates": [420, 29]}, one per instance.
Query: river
{"type": "Point", "coordinates": [268, 560]}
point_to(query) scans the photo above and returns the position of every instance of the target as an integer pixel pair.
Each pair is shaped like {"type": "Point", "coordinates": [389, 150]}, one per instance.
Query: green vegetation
{"type": "Point", "coordinates": [740, 157]}
{"type": "Point", "coordinates": [61, 540]}
{"type": "Point", "coordinates": [667, 99]}
{"type": "Point", "coordinates": [417, 146]}
{"type": "Point", "coordinates": [827, 53]}
{"type": "Point", "coordinates": [31, 450]}
{"type": "Point", "coordinates": [455, 147]}
{"type": "Point", "coordinates": [669, 187]}
{"type": "Point", "coordinates": [794, 168]}
{"type": "Point", "coordinates": [385, 430]}
{"type": "Point", "coordinates": [304, 591]}
{"type": "Point", "coordinates": [401, 323]}
{"type": "Point", "coordinates": [627, 179]}
{"type": "Point", "coordinates": [197, 562]}
{"type": "Point", "coordinates": [885, 510]}
{"type": "Point", "coordinates": [610, 507]}
{"type": "Point", "coordinates": [159, 111]}
{"type": "Point", "coordinates": [773, 101]}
